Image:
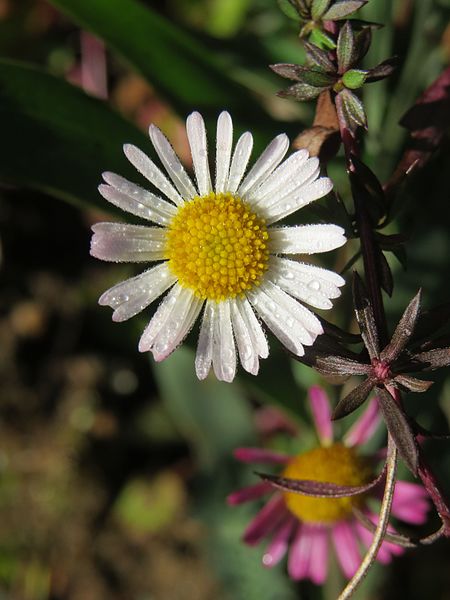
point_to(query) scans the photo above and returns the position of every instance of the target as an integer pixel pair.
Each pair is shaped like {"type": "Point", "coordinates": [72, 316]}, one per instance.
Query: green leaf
{"type": "Point", "coordinates": [346, 48]}
{"type": "Point", "coordinates": [188, 73]}
{"type": "Point", "coordinates": [57, 139]}
{"type": "Point", "coordinates": [354, 78]}
{"type": "Point", "coordinates": [322, 40]}
{"type": "Point", "coordinates": [341, 10]}
{"type": "Point", "coordinates": [350, 110]}
{"type": "Point", "coordinates": [289, 10]}
{"type": "Point", "coordinates": [316, 78]}
{"type": "Point", "coordinates": [318, 7]}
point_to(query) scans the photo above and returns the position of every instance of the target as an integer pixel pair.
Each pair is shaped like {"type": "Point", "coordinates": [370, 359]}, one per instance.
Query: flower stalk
{"type": "Point", "coordinates": [380, 531]}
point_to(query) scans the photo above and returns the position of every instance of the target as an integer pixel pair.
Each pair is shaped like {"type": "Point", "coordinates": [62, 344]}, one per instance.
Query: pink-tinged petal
{"type": "Point", "coordinates": [384, 556]}
{"type": "Point", "coordinates": [410, 502]}
{"type": "Point", "coordinates": [364, 428]}
{"type": "Point", "coordinates": [346, 545]}
{"type": "Point", "coordinates": [318, 566]}
{"type": "Point", "coordinates": [321, 410]}
{"type": "Point", "coordinates": [260, 455]}
{"type": "Point", "coordinates": [279, 544]}
{"type": "Point", "coordinates": [251, 492]}
{"type": "Point", "coordinates": [266, 520]}
{"type": "Point", "coordinates": [300, 555]}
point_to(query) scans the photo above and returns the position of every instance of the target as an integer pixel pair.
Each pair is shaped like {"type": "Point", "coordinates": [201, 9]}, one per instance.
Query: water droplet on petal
{"type": "Point", "coordinates": [314, 285]}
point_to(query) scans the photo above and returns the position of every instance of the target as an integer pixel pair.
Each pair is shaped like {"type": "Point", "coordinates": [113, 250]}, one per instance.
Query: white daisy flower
{"type": "Point", "coordinates": [219, 248]}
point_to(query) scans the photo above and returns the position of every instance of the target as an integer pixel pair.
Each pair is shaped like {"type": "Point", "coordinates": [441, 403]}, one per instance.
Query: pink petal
{"type": "Point", "coordinates": [346, 545]}
{"type": "Point", "coordinates": [299, 555]}
{"type": "Point", "coordinates": [321, 410]}
{"type": "Point", "coordinates": [410, 502]}
{"type": "Point", "coordinates": [260, 455]}
{"type": "Point", "coordinates": [318, 566]}
{"type": "Point", "coordinates": [266, 520]}
{"type": "Point", "coordinates": [279, 544]}
{"type": "Point", "coordinates": [251, 492]}
{"type": "Point", "coordinates": [364, 428]}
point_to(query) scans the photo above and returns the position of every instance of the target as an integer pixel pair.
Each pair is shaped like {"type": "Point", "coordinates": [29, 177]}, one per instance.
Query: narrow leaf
{"type": "Point", "coordinates": [354, 110]}
{"type": "Point", "coordinates": [301, 92]}
{"type": "Point", "coordinates": [287, 70]}
{"type": "Point", "coordinates": [345, 48]}
{"type": "Point", "coordinates": [404, 330]}
{"type": "Point", "coordinates": [320, 489]}
{"type": "Point", "coordinates": [337, 365]}
{"type": "Point", "coordinates": [319, 57]}
{"type": "Point", "coordinates": [384, 69]}
{"type": "Point", "coordinates": [385, 273]}
{"type": "Point", "coordinates": [354, 399]}
{"type": "Point", "coordinates": [433, 359]}
{"type": "Point", "coordinates": [321, 39]}
{"type": "Point", "coordinates": [318, 7]}
{"type": "Point", "coordinates": [341, 10]}
{"type": "Point", "coordinates": [413, 384]}
{"type": "Point", "coordinates": [365, 318]}
{"type": "Point", "coordinates": [289, 9]}
{"type": "Point", "coordinates": [400, 429]}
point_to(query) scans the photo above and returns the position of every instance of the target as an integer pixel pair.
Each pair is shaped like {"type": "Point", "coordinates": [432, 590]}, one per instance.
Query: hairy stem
{"type": "Point", "coordinates": [380, 531]}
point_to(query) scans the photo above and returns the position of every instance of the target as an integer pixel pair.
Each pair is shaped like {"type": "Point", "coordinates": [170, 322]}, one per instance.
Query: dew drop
{"type": "Point", "coordinates": [314, 285]}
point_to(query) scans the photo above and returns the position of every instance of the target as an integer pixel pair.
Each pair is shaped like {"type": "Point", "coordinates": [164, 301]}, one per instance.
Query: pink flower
{"type": "Point", "coordinates": [309, 527]}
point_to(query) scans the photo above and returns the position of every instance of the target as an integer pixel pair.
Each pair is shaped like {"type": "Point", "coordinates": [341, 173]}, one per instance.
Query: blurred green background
{"type": "Point", "coordinates": [114, 470]}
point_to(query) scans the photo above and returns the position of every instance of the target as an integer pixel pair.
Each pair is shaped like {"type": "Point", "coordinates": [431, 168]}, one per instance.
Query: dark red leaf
{"type": "Point", "coordinates": [399, 428]}
{"type": "Point", "coordinates": [320, 489]}
{"type": "Point", "coordinates": [354, 399]}
{"type": "Point", "coordinates": [404, 329]}
{"type": "Point", "coordinates": [365, 317]}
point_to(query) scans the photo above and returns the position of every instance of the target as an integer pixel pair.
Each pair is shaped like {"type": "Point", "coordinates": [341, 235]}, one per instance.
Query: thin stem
{"type": "Point", "coordinates": [380, 531]}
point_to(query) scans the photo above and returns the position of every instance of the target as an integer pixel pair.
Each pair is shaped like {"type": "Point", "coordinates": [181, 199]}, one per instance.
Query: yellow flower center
{"type": "Point", "coordinates": [217, 246]}
{"type": "Point", "coordinates": [334, 464]}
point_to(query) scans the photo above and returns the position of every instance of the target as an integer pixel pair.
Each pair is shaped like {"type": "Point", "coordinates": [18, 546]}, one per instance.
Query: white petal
{"type": "Point", "coordinates": [135, 200]}
{"type": "Point", "coordinates": [284, 178]}
{"type": "Point", "coordinates": [224, 350]}
{"type": "Point", "coordinates": [172, 164]}
{"type": "Point", "coordinates": [130, 297]}
{"type": "Point", "coordinates": [293, 324]}
{"type": "Point", "coordinates": [119, 242]}
{"type": "Point", "coordinates": [298, 199]}
{"type": "Point", "coordinates": [306, 239]}
{"type": "Point", "coordinates": [196, 133]}
{"type": "Point", "coordinates": [266, 163]}
{"type": "Point", "coordinates": [247, 352]}
{"type": "Point", "coordinates": [150, 171]}
{"type": "Point", "coordinates": [309, 284]}
{"type": "Point", "coordinates": [254, 326]}
{"type": "Point", "coordinates": [224, 143]}
{"type": "Point", "coordinates": [239, 161]}
{"type": "Point", "coordinates": [203, 358]}
{"type": "Point", "coordinates": [171, 323]}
